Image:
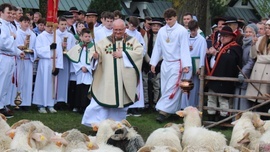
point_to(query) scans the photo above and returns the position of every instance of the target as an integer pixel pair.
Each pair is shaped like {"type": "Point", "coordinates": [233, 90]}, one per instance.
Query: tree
{"type": "Point", "coordinates": [263, 8]}
{"type": "Point", "coordinates": [196, 7]}
{"type": "Point", "coordinates": [105, 5]}
{"type": "Point", "coordinates": [43, 7]}
{"type": "Point", "coordinates": [217, 8]}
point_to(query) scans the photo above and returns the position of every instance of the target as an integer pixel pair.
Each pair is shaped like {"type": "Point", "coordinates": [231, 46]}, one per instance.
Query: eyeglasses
{"type": "Point", "coordinates": [118, 30]}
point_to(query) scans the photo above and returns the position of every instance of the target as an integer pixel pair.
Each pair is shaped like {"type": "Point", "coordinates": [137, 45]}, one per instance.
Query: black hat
{"type": "Point", "coordinates": [74, 10]}
{"type": "Point", "coordinates": [156, 20]}
{"type": "Point", "coordinates": [68, 15]}
{"type": "Point", "coordinates": [82, 12]}
{"type": "Point", "coordinates": [226, 30]}
{"type": "Point", "coordinates": [233, 20]}
{"type": "Point", "coordinates": [138, 16]}
{"type": "Point", "coordinates": [91, 13]}
{"type": "Point", "coordinates": [219, 18]}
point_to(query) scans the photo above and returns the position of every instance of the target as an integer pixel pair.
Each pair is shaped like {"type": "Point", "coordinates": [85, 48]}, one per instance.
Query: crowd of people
{"type": "Point", "coordinates": [114, 68]}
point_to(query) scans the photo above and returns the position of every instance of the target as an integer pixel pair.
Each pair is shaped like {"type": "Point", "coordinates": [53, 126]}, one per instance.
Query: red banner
{"type": "Point", "coordinates": [52, 11]}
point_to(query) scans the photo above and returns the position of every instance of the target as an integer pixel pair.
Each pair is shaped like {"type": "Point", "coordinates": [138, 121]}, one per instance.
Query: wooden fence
{"type": "Point", "coordinates": [234, 112]}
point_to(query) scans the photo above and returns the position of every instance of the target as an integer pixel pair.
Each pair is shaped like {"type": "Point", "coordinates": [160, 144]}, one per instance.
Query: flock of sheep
{"type": "Point", "coordinates": [249, 134]}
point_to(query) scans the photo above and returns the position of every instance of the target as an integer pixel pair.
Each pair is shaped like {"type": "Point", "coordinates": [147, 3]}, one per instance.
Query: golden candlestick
{"type": "Point", "coordinates": [27, 50]}
{"type": "Point", "coordinates": [18, 100]}
{"type": "Point", "coordinates": [65, 47]}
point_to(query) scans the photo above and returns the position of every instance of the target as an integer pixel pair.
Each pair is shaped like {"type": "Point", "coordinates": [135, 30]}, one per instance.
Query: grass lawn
{"type": "Point", "coordinates": [65, 120]}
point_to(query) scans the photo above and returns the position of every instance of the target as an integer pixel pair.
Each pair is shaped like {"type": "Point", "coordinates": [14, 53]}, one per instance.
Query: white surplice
{"type": "Point", "coordinates": [63, 76]}
{"type": "Point", "coordinates": [197, 52]}
{"type": "Point", "coordinates": [102, 32]}
{"type": "Point", "coordinates": [25, 67]}
{"type": "Point", "coordinates": [43, 92]}
{"type": "Point", "coordinates": [8, 51]}
{"type": "Point", "coordinates": [172, 45]}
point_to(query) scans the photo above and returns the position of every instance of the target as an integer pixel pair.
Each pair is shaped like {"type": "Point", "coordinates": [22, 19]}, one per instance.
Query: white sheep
{"type": "Point", "coordinates": [247, 122]}
{"type": "Point", "coordinates": [166, 138]}
{"type": "Point", "coordinates": [199, 137]}
{"type": "Point", "coordinates": [126, 138]}
{"type": "Point", "coordinates": [4, 139]}
{"type": "Point", "coordinates": [158, 149]}
{"type": "Point", "coordinates": [73, 140]}
{"type": "Point", "coordinates": [105, 130]}
{"type": "Point", "coordinates": [32, 136]}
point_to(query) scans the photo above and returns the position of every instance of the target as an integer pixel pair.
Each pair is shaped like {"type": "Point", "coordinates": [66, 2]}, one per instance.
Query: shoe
{"type": "Point", "coordinates": [161, 118]}
{"type": "Point", "coordinates": [129, 112]}
{"type": "Point", "coordinates": [52, 110]}
{"type": "Point", "coordinates": [42, 110]}
{"type": "Point", "coordinates": [136, 113]}
{"type": "Point", "coordinates": [6, 112]}
{"type": "Point", "coordinates": [74, 109]}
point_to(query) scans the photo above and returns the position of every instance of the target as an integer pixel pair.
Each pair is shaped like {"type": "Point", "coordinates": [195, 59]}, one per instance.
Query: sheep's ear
{"type": "Point", "coordinates": [172, 149]}
{"type": "Point", "coordinates": [59, 141]}
{"type": "Point", "coordinates": [234, 122]}
{"type": "Point", "coordinates": [11, 133]}
{"type": "Point", "coordinates": [245, 139]}
{"type": "Point", "coordinates": [200, 113]}
{"type": "Point", "coordinates": [238, 116]}
{"type": "Point", "coordinates": [94, 127]}
{"type": "Point", "coordinates": [92, 146]}
{"type": "Point", "coordinates": [145, 149]}
{"type": "Point", "coordinates": [3, 117]}
{"type": "Point", "coordinates": [168, 125]}
{"type": "Point", "coordinates": [245, 149]}
{"type": "Point", "coordinates": [86, 138]}
{"type": "Point", "coordinates": [126, 123]}
{"type": "Point", "coordinates": [38, 137]}
{"type": "Point", "coordinates": [181, 113]}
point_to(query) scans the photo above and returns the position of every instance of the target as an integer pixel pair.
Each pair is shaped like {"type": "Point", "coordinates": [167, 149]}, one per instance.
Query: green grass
{"type": "Point", "coordinates": [66, 120]}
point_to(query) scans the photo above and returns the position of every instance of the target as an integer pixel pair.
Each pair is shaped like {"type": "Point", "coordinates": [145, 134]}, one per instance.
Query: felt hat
{"type": "Point", "coordinates": [74, 10]}
{"type": "Point", "coordinates": [68, 15]}
{"type": "Point", "coordinates": [219, 18]}
{"type": "Point", "coordinates": [82, 12]}
{"type": "Point", "coordinates": [226, 30]}
{"type": "Point", "coordinates": [233, 20]}
{"type": "Point", "coordinates": [156, 20]}
{"type": "Point", "coordinates": [91, 13]}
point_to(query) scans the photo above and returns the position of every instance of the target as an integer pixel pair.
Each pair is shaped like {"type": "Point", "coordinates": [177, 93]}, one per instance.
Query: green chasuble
{"type": "Point", "coordinates": [114, 84]}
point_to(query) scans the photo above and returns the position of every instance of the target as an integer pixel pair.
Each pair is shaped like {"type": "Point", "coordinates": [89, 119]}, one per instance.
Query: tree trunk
{"type": "Point", "coordinates": [199, 8]}
{"type": "Point", "coordinates": [43, 8]}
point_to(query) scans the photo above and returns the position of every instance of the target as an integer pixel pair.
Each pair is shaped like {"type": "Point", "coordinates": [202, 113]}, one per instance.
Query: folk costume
{"type": "Point", "coordinates": [79, 57]}
{"type": "Point", "coordinates": [43, 91]}
{"type": "Point", "coordinates": [198, 48]}
{"type": "Point", "coordinates": [25, 66]}
{"type": "Point", "coordinates": [8, 51]}
{"type": "Point", "coordinates": [172, 45]}
{"type": "Point", "coordinates": [63, 76]}
{"type": "Point", "coordinates": [223, 64]}
{"type": "Point", "coordinates": [115, 80]}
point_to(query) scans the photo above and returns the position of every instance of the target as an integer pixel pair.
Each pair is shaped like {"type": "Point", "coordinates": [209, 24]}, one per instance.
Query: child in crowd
{"type": "Point", "coordinates": [79, 58]}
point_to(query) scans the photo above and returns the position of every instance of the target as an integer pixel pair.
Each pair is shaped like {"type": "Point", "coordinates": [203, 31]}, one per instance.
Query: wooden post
{"type": "Point", "coordinates": [201, 90]}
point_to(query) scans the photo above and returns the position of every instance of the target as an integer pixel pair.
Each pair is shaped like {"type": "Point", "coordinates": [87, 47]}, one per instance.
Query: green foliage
{"type": "Point", "coordinates": [43, 7]}
{"type": "Point", "coordinates": [263, 7]}
{"type": "Point", "coordinates": [217, 7]}
{"type": "Point", "coordinates": [105, 5]}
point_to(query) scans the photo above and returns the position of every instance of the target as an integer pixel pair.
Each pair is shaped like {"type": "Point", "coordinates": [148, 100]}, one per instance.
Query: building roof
{"type": "Point", "coordinates": [157, 8]}
{"type": "Point", "coordinates": [244, 13]}
{"type": "Point", "coordinates": [64, 5]}
{"type": "Point", "coordinates": [261, 3]}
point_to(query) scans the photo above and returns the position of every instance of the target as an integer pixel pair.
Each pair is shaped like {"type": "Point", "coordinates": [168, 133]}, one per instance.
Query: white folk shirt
{"type": "Point", "coordinates": [102, 33]}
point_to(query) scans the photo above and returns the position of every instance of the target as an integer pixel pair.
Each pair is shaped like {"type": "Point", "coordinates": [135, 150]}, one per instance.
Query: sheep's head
{"type": "Point", "coordinates": [120, 134]}
{"type": "Point", "coordinates": [188, 110]}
